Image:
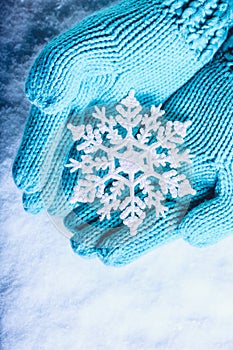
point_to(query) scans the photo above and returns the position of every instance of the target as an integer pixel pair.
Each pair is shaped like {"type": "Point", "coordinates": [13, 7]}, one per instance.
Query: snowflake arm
{"type": "Point", "coordinates": [150, 123]}
{"type": "Point", "coordinates": [110, 201]}
{"type": "Point", "coordinates": [77, 131]}
{"type": "Point", "coordinates": [176, 159]}
{"type": "Point", "coordinates": [74, 165]}
{"type": "Point", "coordinates": [132, 212]}
{"type": "Point", "coordinates": [176, 184]}
{"type": "Point", "coordinates": [84, 192]}
{"type": "Point", "coordinates": [106, 125]}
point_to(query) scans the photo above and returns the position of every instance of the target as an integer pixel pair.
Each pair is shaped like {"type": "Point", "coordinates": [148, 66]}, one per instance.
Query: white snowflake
{"type": "Point", "coordinates": [129, 162]}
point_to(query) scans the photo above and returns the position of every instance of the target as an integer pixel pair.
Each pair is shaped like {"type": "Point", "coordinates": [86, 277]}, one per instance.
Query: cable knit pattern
{"type": "Point", "coordinates": [201, 33]}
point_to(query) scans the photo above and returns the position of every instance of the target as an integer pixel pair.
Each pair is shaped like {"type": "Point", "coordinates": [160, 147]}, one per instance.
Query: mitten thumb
{"type": "Point", "coordinates": [212, 220]}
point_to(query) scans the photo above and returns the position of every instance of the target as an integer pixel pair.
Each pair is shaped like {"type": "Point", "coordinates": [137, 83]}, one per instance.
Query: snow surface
{"type": "Point", "coordinates": [176, 297]}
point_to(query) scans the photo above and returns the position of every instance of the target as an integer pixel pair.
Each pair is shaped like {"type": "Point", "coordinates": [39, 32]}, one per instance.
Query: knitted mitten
{"type": "Point", "coordinates": [207, 101]}
{"type": "Point", "coordinates": [152, 46]}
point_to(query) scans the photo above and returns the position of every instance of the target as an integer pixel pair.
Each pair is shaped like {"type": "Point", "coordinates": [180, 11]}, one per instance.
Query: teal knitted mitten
{"type": "Point", "coordinates": [152, 46]}
{"type": "Point", "coordinates": [206, 100]}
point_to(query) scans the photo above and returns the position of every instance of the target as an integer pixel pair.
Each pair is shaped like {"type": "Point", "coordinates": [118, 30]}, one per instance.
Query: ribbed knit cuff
{"type": "Point", "coordinates": [204, 24]}
{"type": "Point", "coordinates": [227, 49]}
{"type": "Point", "coordinates": [231, 12]}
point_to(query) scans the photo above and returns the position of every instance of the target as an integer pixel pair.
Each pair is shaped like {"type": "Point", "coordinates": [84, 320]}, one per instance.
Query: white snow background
{"type": "Point", "coordinates": [176, 297]}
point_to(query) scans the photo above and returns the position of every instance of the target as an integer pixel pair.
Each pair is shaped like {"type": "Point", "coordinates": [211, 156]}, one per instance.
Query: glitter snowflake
{"type": "Point", "coordinates": [129, 162]}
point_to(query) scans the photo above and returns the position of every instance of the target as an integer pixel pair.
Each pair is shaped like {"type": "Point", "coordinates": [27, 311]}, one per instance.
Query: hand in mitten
{"type": "Point", "coordinates": [151, 46]}
{"type": "Point", "coordinates": [207, 101]}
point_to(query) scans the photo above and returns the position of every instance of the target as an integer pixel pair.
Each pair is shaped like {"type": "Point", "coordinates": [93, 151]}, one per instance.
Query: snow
{"type": "Point", "coordinates": [176, 297]}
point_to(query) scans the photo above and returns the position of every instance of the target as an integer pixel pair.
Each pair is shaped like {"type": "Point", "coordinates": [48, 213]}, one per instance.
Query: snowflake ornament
{"type": "Point", "coordinates": [129, 162]}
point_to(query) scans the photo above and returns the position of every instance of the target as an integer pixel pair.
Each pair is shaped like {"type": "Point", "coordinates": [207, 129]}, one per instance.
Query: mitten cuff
{"type": "Point", "coordinates": [227, 49]}
{"type": "Point", "coordinates": [203, 23]}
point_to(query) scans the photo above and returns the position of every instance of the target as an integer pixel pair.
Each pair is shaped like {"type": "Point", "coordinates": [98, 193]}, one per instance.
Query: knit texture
{"type": "Point", "coordinates": [152, 46]}
{"type": "Point", "coordinates": [153, 54]}
{"type": "Point", "coordinates": [104, 43]}
{"type": "Point", "coordinates": [206, 100]}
